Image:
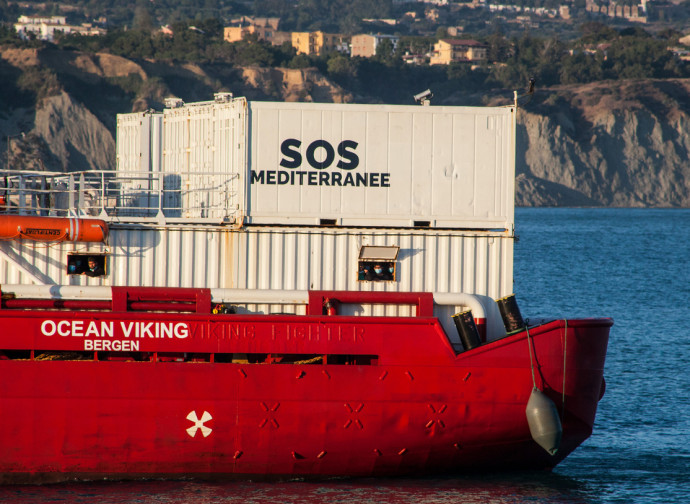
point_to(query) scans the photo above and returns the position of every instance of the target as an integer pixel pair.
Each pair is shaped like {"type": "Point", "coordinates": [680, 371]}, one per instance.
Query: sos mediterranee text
{"type": "Point", "coordinates": [319, 155]}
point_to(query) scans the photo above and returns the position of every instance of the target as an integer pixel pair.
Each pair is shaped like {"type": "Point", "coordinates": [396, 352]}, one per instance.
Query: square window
{"type": "Point", "coordinates": [376, 271]}
{"type": "Point", "coordinates": [377, 263]}
{"type": "Point", "coordinates": [93, 265]}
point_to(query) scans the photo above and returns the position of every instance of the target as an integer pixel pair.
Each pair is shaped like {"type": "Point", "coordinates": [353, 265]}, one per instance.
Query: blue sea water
{"type": "Point", "coordinates": [629, 264]}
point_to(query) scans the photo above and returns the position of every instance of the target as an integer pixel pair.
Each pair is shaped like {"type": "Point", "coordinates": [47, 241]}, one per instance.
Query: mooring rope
{"type": "Point", "coordinates": [531, 363]}
{"type": "Point", "coordinates": [565, 353]}
{"type": "Point", "coordinates": [313, 360]}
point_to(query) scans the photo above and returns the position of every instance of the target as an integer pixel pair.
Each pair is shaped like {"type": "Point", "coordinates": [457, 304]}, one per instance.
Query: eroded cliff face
{"type": "Point", "coordinates": [65, 131]}
{"type": "Point", "coordinates": [621, 143]}
{"type": "Point", "coordinates": [73, 127]}
{"type": "Point", "coordinates": [77, 138]}
{"type": "Point", "coordinates": [293, 85]}
{"type": "Point", "coordinates": [608, 144]}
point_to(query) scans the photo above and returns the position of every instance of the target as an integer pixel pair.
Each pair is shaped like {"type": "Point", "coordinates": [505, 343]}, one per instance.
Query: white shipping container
{"type": "Point", "coordinates": [381, 165]}
{"type": "Point", "coordinates": [342, 164]}
{"type": "Point", "coordinates": [139, 142]}
{"type": "Point", "coordinates": [205, 137]}
{"type": "Point", "coordinates": [205, 143]}
{"type": "Point", "coordinates": [278, 258]}
{"type": "Point", "coordinates": [139, 155]}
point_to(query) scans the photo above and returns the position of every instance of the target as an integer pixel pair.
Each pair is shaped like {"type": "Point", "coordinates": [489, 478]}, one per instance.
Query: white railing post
{"type": "Point", "coordinates": [104, 195]}
{"type": "Point", "coordinates": [21, 203]}
{"type": "Point", "coordinates": [81, 210]}
{"type": "Point", "coordinates": [70, 196]}
{"type": "Point", "coordinates": [160, 216]}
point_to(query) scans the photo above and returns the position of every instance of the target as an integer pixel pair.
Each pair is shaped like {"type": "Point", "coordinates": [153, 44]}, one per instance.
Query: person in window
{"type": "Point", "coordinates": [367, 272]}
{"type": "Point", "coordinates": [380, 273]}
{"type": "Point", "coordinates": [390, 271]}
{"type": "Point", "coordinates": [375, 272]}
{"type": "Point", "coordinates": [94, 269]}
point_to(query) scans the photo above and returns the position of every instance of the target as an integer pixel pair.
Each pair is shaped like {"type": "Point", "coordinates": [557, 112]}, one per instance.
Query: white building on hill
{"type": "Point", "coordinates": [45, 28]}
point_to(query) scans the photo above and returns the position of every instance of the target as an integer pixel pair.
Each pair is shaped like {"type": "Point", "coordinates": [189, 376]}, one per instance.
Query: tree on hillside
{"type": "Point", "coordinates": [142, 19]}
{"type": "Point", "coordinates": [595, 32]}
{"type": "Point", "coordinates": [581, 67]}
{"type": "Point", "coordinates": [326, 15]}
{"type": "Point", "coordinates": [342, 70]}
{"type": "Point", "coordinates": [500, 48]}
{"type": "Point", "coordinates": [531, 58]}
{"type": "Point", "coordinates": [9, 12]}
{"type": "Point", "coordinates": [639, 58]}
{"type": "Point", "coordinates": [8, 35]}
{"type": "Point", "coordinates": [133, 44]}
{"type": "Point", "coordinates": [385, 53]}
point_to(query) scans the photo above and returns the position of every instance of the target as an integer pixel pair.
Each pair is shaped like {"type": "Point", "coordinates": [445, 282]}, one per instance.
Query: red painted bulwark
{"type": "Point", "coordinates": [125, 394]}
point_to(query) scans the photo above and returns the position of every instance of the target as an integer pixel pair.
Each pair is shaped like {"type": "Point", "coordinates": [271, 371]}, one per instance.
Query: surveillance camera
{"type": "Point", "coordinates": [423, 96]}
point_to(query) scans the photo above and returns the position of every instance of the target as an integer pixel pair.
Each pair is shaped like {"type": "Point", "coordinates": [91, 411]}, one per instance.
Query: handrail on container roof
{"type": "Point", "coordinates": [137, 196]}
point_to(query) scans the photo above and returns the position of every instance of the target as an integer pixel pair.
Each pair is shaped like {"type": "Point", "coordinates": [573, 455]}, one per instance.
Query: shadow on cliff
{"type": "Point", "coordinates": [535, 192]}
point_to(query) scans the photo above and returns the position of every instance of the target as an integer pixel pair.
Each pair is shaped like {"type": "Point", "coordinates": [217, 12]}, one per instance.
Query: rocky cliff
{"type": "Point", "coordinates": [620, 143]}
{"type": "Point", "coordinates": [71, 125]}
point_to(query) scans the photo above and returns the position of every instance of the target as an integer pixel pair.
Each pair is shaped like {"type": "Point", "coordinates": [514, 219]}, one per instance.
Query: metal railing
{"type": "Point", "coordinates": [185, 197]}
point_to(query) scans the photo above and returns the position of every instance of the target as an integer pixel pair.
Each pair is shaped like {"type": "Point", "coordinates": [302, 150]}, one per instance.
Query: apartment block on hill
{"type": "Point", "coordinates": [365, 45]}
{"type": "Point", "coordinates": [237, 33]}
{"type": "Point", "coordinates": [264, 28]}
{"type": "Point", "coordinates": [619, 9]}
{"type": "Point", "coordinates": [318, 42]}
{"type": "Point", "coordinates": [45, 28]}
{"type": "Point", "coordinates": [447, 51]}
{"type": "Point", "coordinates": [263, 22]}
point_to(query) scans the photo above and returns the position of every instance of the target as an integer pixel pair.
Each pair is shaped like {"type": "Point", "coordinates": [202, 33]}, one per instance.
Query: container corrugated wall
{"type": "Point", "coordinates": [208, 139]}
{"type": "Point", "coordinates": [205, 138]}
{"type": "Point", "coordinates": [276, 258]}
{"type": "Point", "coordinates": [139, 152]}
{"type": "Point", "coordinates": [280, 258]}
{"type": "Point", "coordinates": [428, 261]}
{"type": "Point", "coordinates": [26, 262]}
{"type": "Point", "coordinates": [139, 141]}
{"type": "Point", "coordinates": [431, 261]}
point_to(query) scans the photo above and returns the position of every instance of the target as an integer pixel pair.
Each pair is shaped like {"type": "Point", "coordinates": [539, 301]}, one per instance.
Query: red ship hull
{"type": "Point", "coordinates": [278, 396]}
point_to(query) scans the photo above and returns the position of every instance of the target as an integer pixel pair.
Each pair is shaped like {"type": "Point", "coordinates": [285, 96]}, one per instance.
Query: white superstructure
{"type": "Point", "coordinates": [230, 194]}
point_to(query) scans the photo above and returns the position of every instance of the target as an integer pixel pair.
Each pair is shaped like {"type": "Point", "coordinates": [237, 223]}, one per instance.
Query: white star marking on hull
{"type": "Point", "coordinates": [199, 423]}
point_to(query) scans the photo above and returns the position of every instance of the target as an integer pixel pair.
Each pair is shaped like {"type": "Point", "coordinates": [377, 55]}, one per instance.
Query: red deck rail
{"type": "Point", "coordinates": [198, 300]}
{"type": "Point", "coordinates": [423, 301]}
{"type": "Point", "coordinates": [125, 299]}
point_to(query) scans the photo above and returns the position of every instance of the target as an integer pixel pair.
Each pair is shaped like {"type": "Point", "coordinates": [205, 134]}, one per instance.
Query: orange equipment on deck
{"type": "Point", "coordinates": [52, 229]}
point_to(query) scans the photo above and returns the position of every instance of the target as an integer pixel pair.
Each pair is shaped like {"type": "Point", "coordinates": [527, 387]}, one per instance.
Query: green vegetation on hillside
{"type": "Point", "coordinates": [600, 53]}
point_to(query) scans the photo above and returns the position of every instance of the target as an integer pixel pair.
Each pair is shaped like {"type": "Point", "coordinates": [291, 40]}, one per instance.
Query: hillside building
{"type": "Point", "coordinates": [365, 45]}
{"type": "Point", "coordinates": [447, 51]}
{"type": "Point", "coordinates": [264, 29]}
{"type": "Point", "coordinates": [617, 9]}
{"type": "Point", "coordinates": [45, 28]}
{"type": "Point", "coordinates": [318, 42]}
